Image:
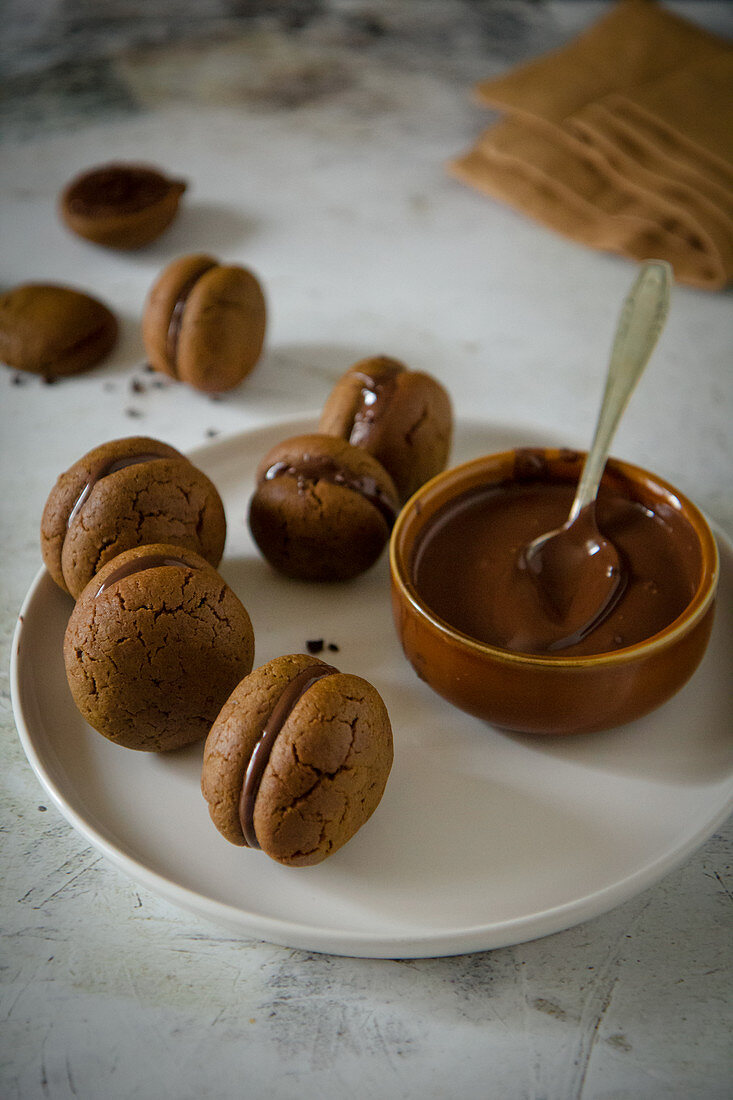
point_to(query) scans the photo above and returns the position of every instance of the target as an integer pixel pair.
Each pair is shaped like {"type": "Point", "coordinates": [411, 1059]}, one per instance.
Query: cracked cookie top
{"type": "Point", "coordinates": [154, 646]}
{"type": "Point", "coordinates": [327, 753]}
{"type": "Point", "coordinates": [126, 493]}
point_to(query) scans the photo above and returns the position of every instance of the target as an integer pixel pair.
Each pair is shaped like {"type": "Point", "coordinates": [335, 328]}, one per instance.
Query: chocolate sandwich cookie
{"type": "Point", "coordinates": [54, 330]}
{"type": "Point", "coordinates": [297, 760]}
{"type": "Point", "coordinates": [156, 643]}
{"type": "Point", "coordinates": [122, 494]}
{"type": "Point", "coordinates": [120, 205]}
{"type": "Point", "coordinates": [403, 417]}
{"type": "Point", "coordinates": [322, 509]}
{"type": "Point", "coordinates": [204, 322]}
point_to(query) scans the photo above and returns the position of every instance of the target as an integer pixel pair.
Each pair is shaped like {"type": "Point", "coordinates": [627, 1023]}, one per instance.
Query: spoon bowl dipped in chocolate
{"type": "Point", "coordinates": [570, 578]}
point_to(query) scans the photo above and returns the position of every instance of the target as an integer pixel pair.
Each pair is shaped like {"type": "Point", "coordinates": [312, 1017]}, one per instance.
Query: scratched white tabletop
{"type": "Point", "coordinates": [314, 138]}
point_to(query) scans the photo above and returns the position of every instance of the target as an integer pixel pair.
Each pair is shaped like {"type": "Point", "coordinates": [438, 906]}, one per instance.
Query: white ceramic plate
{"type": "Point", "coordinates": [482, 838]}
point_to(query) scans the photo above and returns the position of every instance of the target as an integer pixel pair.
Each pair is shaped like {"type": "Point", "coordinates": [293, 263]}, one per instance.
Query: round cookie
{"type": "Point", "coordinates": [204, 322]}
{"type": "Point", "coordinates": [122, 494]}
{"type": "Point", "coordinates": [54, 330]}
{"type": "Point", "coordinates": [322, 509]}
{"type": "Point", "coordinates": [297, 760]}
{"type": "Point", "coordinates": [155, 644]}
{"type": "Point", "coordinates": [121, 206]}
{"type": "Point", "coordinates": [403, 417]}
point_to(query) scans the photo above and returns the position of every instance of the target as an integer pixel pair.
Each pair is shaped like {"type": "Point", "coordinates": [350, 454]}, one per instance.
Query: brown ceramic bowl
{"type": "Point", "coordinates": [552, 694]}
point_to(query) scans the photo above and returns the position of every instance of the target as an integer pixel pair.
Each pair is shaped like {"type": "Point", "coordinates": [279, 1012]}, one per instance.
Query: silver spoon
{"type": "Point", "coordinates": [576, 569]}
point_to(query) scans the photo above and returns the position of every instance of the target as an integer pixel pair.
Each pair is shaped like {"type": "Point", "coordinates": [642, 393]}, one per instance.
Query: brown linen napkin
{"type": "Point", "coordinates": [621, 140]}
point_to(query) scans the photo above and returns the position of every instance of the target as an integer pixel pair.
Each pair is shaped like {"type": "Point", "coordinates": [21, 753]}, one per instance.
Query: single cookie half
{"type": "Point", "coordinates": [322, 509]}
{"type": "Point", "coordinates": [54, 330]}
{"type": "Point", "coordinates": [403, 417]}
{"type": "Point", "coordinates": [122, 494]}
{"type": "Point", "coordinates": [297, 760]}
{"type": "Point", "coordinates": [120, 205]}
{"type": "Point", "coordinates": [204, 322]}
{"type": "Point", "coordinates": [155, 644]}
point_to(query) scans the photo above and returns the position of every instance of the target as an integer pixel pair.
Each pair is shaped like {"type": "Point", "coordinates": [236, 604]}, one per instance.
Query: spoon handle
{"type": "Point", "coordinates": [642, 317]}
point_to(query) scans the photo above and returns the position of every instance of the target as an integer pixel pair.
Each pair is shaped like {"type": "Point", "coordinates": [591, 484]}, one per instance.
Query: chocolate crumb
{"type": "Point", "coordinates": [211, 432]}
{"type": "Point", "coordinates": [149, 368]}
{"type": "Point", "coordinates": [42, 809]}
{"type": "Point", "coordinates": [317, 645]}
{"type": "Point", "coordinates": [132, 412]}
{"type": "Point", "coordinates": [50, 379]}
{"type": "Point", "coordinates": [136, 386]}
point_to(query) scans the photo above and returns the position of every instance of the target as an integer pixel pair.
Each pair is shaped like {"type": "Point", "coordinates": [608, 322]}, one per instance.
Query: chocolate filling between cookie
{"type": "Point", "coordinates": [176, 318]}
{"type": "Point", "coordinates": [102, 470]}
{"type": "Point", "coordinates": [290, 695]}
{"type": "Point", "coordinates": [377, 389]}
{"type": "Point", "coordinates": [139, 565]}
{"type": "Point", "coordinates": [313, 468]}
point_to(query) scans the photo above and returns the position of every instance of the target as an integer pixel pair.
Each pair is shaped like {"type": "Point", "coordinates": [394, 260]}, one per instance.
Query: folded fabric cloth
{"type": "Point", "coordinates": [621, 140]}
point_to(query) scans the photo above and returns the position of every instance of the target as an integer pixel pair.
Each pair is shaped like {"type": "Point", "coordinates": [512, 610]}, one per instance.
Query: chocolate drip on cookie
{"type": "Point", "coordinates": [378, 383]}
{"type": "Point", "coordinates": [312, 468]}
{"type": "Point", "coordinates": [290, 695]}
{"type": "Point", "coordinates": [104, 469]}
{"type": "Point", "coordinates": [139, 565]}
{"type": "Point", "coordinates": [176, 318]}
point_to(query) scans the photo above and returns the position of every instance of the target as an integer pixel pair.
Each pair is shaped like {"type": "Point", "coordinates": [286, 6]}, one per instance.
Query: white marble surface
{"type": "Point", "coordinates": [340, 202]}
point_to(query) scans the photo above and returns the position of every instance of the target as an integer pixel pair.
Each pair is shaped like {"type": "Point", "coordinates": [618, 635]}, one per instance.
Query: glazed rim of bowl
{"type": "Point", "coordinates": [697, 607]}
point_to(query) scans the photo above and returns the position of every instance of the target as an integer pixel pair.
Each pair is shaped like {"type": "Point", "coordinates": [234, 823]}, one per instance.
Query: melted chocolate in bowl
{"type": "Point", "coordinates": [578, 577]}
{"type": "Point", "coordinates": [466, 566]}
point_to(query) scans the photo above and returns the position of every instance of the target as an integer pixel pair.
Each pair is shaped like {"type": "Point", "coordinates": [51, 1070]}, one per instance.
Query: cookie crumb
{"type": "Point", "coordinates": [50, 379]}
{"type": "Point", "coordinates": [42, 809]}
{"type": "Point", "coordinates": [333, 647]}
{"type": "Point", "coordinates": [149, 368]}
{"type": "Point", "coordinates": [211, 432]}
{"type": "Point", "coordinates": [132, 412]}
{"type": "Point", "coordinates": [137, 386]}
{"type": "Point", "coordinates": [18, 379]}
